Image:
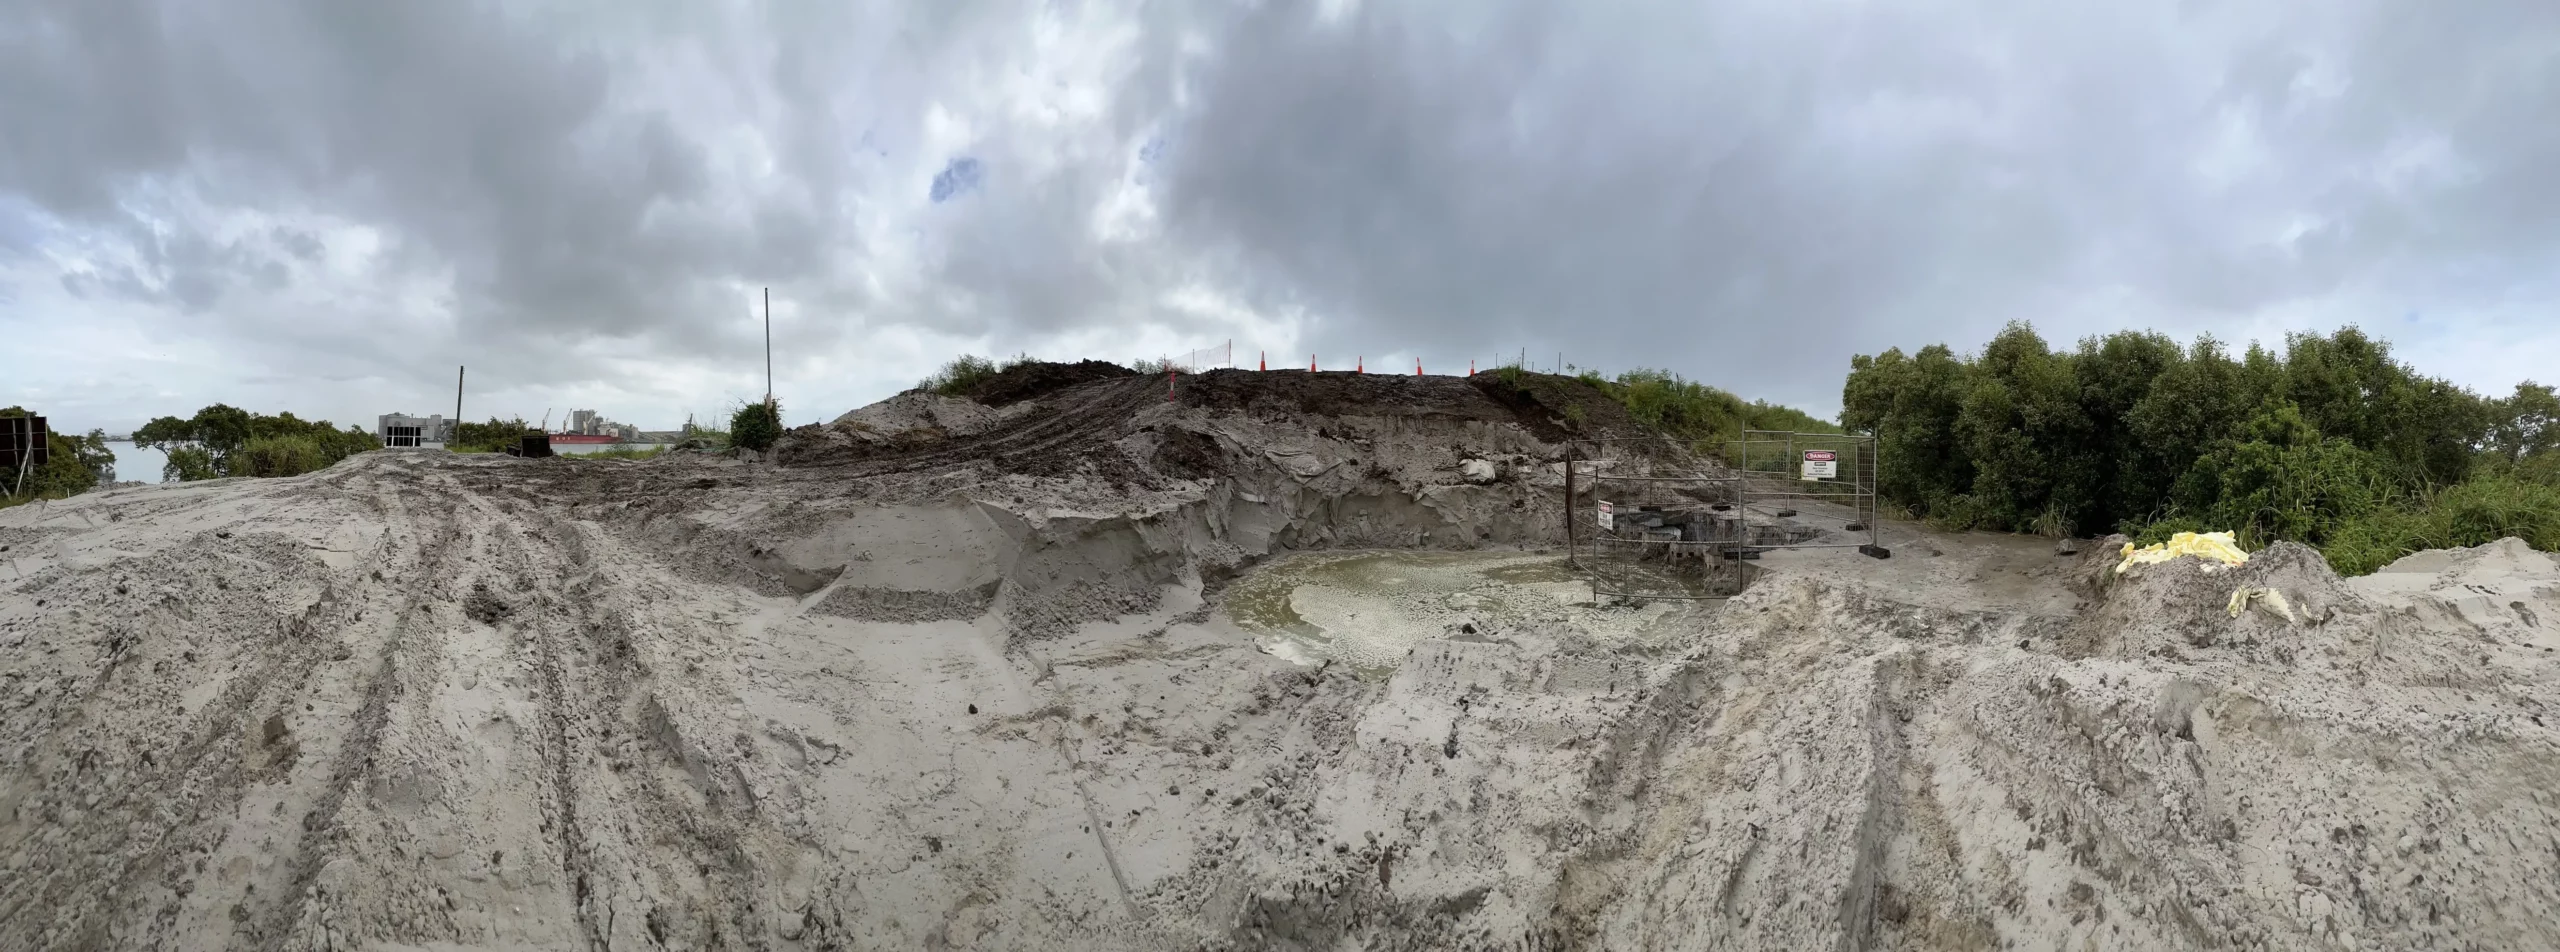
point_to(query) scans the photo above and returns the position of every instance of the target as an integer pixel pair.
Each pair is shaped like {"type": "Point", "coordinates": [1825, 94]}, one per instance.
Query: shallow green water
{"type": "Point", "coordinates": [1368, 608]}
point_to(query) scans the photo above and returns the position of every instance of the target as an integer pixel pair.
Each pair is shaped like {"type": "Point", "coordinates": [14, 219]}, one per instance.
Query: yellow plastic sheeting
{"type": "Point", "coordinates": [2213, 546]}
{"type": "Point", "coordinates": [2267, 598]}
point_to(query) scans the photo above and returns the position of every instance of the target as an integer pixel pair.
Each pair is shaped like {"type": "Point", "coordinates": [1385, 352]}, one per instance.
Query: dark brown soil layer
{"type": "Point", "coordinates": [1039, 378]}
{"type": "Point", "coordinates": [1085, 406]}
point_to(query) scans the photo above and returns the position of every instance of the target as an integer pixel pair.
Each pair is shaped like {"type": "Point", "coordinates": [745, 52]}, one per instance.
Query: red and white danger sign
{"type": "Point", "coordinates": [1821, 464]}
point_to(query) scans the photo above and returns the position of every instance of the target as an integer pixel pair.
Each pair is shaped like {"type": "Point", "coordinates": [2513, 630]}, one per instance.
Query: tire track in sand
{"type": "Point", "coordinates": [321, 838]}
{"type": "Point", "coordinates": [613, 683]}
{"type": "Point", "coordinates": [204, 778]}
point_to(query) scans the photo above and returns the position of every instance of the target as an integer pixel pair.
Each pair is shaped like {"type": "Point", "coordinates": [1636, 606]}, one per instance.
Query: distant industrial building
{"type": "Point", "coordinates": [591, 423]}
{"type": "Point", "coordinates": [403, 430]}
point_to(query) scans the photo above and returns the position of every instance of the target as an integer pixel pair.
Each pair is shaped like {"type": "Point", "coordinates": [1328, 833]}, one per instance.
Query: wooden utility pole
{"type": "Point", "coordinates": [458, 370]}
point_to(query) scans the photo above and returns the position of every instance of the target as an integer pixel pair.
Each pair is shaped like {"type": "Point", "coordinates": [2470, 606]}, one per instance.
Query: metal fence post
{"type": "Point", "coordinates": [1571, 553]}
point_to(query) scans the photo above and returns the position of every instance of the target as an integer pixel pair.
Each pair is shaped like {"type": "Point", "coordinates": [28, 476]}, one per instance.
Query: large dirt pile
{"type": "Point", "coordinates": [1085, 419]}
{"type": "Point", "coordinates": [973, 688]}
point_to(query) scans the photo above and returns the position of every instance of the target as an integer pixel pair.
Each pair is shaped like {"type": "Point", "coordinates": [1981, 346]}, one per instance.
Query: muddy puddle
{"type": "Point", "coordinates": [1367, 609]}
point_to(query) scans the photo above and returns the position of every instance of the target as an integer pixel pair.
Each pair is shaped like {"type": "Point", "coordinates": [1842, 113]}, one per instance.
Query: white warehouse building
{"type": "Point", "coordinates": [403, 430]}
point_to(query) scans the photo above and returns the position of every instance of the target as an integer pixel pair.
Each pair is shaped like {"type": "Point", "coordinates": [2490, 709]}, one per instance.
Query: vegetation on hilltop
{"type": "Point", "coordinates": [2329, 441]}
{"type": "Point", "coordinates": [1685, 409]}
{"type": "Point", "coordinates": [967, 372]}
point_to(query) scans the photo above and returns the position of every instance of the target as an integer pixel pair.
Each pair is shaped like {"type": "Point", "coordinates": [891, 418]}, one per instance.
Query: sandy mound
{"type": "Point", "coordinates": [984, 692]}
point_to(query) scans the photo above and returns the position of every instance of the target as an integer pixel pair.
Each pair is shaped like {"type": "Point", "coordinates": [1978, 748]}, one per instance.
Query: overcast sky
{"type": "Point", "coordinates": [324, 206]}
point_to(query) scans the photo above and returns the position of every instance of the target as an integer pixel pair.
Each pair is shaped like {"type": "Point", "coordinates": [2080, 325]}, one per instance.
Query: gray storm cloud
{"type": "Point", "coordinates": [1746, 192]}
{"type": "Point", "coordinates": [1751, 192]}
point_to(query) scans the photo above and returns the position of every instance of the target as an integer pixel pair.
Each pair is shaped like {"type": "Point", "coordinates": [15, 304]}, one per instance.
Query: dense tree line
{"type": "Point", "coordinates": [2326, 441]}
{"type": "Point", "coordinates": [74, 464]}
{"type": "Point", "coordinates": [222, 440]}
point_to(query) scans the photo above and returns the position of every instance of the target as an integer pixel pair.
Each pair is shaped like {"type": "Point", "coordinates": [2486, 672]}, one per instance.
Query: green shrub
{"type": "Point", "coordinates": [756, 426]}
{"type": "Point", "coordinates": [2281, 480]}
{"type": "Point", "coordinates": [2051, 524]}
{"type": "Point", "coordinates": [495, 436]}
{"type": "Point", "coordinates": [626, 452]}
{"type": "Point", "coordinates": [2542, 468]}
{"type": "Point", "coordinates": [187, 464]}
{"type": "Point", "coordinates": [282, 456]}
{"type": "Point", "coordinates": [2472, 513]}
{"type": "Point", "coordinates": [2151, 531]}
{"type": "Point", "coordinates": [963, 373]}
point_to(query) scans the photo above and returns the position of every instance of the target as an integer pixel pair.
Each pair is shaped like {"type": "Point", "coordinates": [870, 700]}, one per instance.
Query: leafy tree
{"type": "Point", "coordinates": [211, 443]}
{"type": "Point", "coordinates": [2116, 376]}
{"type": "Point", "coordinates": [2023, 427]}
{"type": "Point", "coordinates": [1910, 405]}
{"type": "Point", "coordinates": [188, 463]}
{"type": "Point", "coordinates": [73, 465]}
{"type": "Point", "coordinates": [2193, 404]}
{"type": "Point", "coordinates": [2525, 424]}
{"type": "Point", "coordinates": [2130, 431]}
{"type": "Point", "coordinates": [2347, 386]}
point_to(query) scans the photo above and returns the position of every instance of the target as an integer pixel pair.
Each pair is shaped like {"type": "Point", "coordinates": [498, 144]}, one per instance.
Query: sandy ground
{"type": "Point", "coordinates": [942, 700]}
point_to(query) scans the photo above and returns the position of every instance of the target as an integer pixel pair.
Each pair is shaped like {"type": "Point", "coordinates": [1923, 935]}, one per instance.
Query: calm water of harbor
{"type": "Point", "coordinates": [135, 464]}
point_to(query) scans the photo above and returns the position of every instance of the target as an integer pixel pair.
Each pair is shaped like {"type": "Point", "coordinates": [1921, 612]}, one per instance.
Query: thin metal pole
{"type": "Point", "coordinates": [1572, 554]}
{"type": "Point", "coordinates": [768, 351]}
{"type": "Point", "coordinates": [458, 370]}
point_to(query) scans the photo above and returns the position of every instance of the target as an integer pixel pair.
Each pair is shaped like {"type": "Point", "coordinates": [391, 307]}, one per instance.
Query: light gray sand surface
{"type": "Point", "coordinates": [421, 701]}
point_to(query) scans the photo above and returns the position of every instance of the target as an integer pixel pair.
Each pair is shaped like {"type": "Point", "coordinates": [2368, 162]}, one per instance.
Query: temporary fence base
{"type": "Point", "coordinates": [1649, 518]}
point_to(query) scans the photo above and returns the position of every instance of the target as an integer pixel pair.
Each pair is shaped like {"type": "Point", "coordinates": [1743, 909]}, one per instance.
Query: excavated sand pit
{"type": "Point", "coordinates": [1368, 610]}
{"type": "Point", "coordinates": [1015, 679]}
